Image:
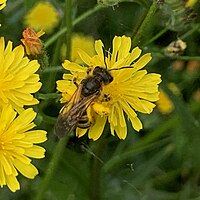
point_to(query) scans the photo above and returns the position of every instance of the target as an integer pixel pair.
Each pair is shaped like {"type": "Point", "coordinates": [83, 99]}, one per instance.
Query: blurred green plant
{"type": "Point", "coordinates": [160, 162]}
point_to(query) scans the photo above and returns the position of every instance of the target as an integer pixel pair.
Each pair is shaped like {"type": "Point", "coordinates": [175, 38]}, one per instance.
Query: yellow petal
{"type": "Point", "coordinates": [80, 132]}
{"type": "Point", "coordinates": [28, 171]}
{"type": "Point", "coordinates": [124, 47]}
{"type": "Point", "coordinates": [136, 123]}
{"type": "Point", "coordinates": [8, 48]}
{"type": "Point", "coordinates": [35, 136]}
{"type": "Point", "coordinates": [3, 176]}
{"type": "Point", "coordinates": [35, 152]}
{"type": "Point", "coordinates": [84, 57]}
{"type": "Point", "coordinates": [142, 61]}
{"type": "Point", "coordinates": [6, 165]}
{"type": "Point", "coordinates": [120, 116]}
{"type": "Point", "coordinates": [121, 131]}
{"type": "Point", "coordinates": [116, 46]}
{"type": "Point", "coordinates": [22, 158]}
{"type": "Point", "coordinates": [135, 53]}
{"type": "Point", "coordinates": [99, 49]}
{"type": "Point", "coordinates": [100, 109]}
{"type": "Point", "coordinates": [12, 183]}
{"type": "Point", "coordinates": [96, 131]}
{"type": "Point", "coordinates": [2, 45]}
{"type": "Point", "coordinates": [24, 118]}
{"type": "Point", "coordinates": [73, 67]}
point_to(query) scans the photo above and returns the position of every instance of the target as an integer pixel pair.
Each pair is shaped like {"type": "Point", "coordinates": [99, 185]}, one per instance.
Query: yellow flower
{"type": "Point", "coordinates": [17, 77]}
{"type": "Point", "coordinates": [2, 4]}
{"type": "Point", "coordinates": [132, 89]}
{"type": "Point", "coordinates": [164, 104]}
{"type": "Point", "coordinates": [190, 3]}
{"type": "Point", "coordinates": [43, 16]}
{"type": "Point", "coordinates": [18, 145]}
{"type": "Point", "coordinates": [79, 41]}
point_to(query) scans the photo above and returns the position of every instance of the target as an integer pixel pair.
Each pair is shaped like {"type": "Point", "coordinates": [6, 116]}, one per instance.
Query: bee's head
{"type": "Point", "coordinates": [103, 74]}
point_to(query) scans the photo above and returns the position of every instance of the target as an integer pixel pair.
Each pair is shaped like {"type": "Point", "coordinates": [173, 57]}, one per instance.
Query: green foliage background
{"type": "Point", "coordinates": [162, 162]}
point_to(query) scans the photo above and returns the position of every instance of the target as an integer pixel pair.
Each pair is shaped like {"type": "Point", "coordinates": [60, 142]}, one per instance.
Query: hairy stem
{"type": "Point", "coordinates": [145, 24]}
{"type": "Point", "coordinates": [51, 168]}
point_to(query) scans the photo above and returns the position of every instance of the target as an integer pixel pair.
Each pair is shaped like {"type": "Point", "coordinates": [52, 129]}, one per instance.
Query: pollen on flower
{"type": "Point", "coordinates": [18, 144]}
{"type": "Point", "coordinates": [43, 16]}
{"type": "Point", "coordinates": [132, 89]}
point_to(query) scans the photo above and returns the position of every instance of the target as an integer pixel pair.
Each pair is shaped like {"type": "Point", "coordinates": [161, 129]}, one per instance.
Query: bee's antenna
{"type": "Point", "coordinates": [125, 67]}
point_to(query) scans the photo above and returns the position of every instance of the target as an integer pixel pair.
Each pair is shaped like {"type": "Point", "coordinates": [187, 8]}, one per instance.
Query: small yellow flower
{"type": "Point", "coordinates": [18, 143]}
{"type": "Point", "coordinates": [132, 89]}
{"type": "Point", "coordinates": [33, 45]}
{"type": "Point", "coordinates": [2, 4]}
{"type": "Point", "coordinates": [43, 16]}
{"type": "Point", "coordinates": [17, 77]}
{"type": "Point", "coordinates": [190, 3]}
{"type": "Point", "coordinates": [79, 41]}
{"type": "Point", "coordinates": [164, 104]}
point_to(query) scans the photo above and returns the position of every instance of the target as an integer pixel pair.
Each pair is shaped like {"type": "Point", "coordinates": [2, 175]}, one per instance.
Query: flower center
{"type": "Point", "coordinates": [112, 91]}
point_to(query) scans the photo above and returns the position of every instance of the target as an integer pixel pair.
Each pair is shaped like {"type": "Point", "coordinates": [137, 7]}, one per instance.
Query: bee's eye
{"type": "Point", "coordinates": [104, 75]}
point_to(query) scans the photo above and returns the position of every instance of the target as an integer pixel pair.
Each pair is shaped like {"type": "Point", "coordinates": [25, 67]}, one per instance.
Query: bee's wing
{"type": "Point", "coordinates": [69, 116]}
{"type": "Point", "coordinates": [73, 100]}
{"type": "Point", "coordinates": [62, 126]}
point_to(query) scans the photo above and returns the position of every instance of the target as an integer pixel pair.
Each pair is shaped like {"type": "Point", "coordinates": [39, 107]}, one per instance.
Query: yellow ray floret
{"type": "Point", "coordinates": [18, 78]}
{"type": "Point", "coordinates": [18, 144]}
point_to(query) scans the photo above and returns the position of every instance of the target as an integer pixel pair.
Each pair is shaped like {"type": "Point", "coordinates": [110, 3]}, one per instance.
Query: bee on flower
{"type": "Point", "coordinates": [109, 88]}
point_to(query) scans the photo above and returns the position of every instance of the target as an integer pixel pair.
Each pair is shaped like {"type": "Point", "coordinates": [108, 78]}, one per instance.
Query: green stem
{"type": "Point", "coordinates": [162, 55]}
{"type": "Point", "coordinates": [87, 14]}
{"type": "Point", "coordinates": [194, 28]}
{"type": "Point", "coordinates": [96, 164]}
{"type": "Point", "coordinates": [47, 96]}
{"type": "Point", "coordinates": [53, 69]}
{"type": "Point", "coordinates": [156, 36]}
{"type": "Point", "coordinates": [68, 15]}
{"type": "Point", "coordinates": [76, 21]}
{"type": "Point", "coordinates": [52, 39]}
{"type": "Point", "coordinates": [48, 119]}
{"type": "Point", "coordinates": [14, 5]}
{"type": "Point", "coordinates": [58, 151]}
{"type": "Point", "coordinates": [145, 24]}
{"type": "Point", "coordinates": [187, 57]}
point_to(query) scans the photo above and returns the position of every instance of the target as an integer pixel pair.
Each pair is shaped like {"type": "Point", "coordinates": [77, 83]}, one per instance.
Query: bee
{"type": "Point", "coordinates": [74, 114]}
